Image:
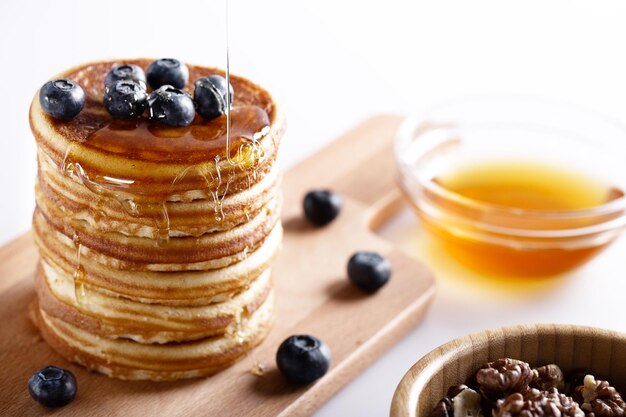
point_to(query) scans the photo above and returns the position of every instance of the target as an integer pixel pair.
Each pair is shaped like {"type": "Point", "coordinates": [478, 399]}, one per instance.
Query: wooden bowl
{"type": "Point", "coordinates": [570, 347]}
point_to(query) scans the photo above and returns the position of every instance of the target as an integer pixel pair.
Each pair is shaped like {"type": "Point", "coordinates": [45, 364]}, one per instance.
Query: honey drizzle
{"type": "Point", "coordinates": [227, 85]}
{"type": "Point", "coordinates": [163, 225]}
{"type": "Point", "coordinates": [79, 273]}
{"type": "Point", "coordinates": [218, 211]}
{"type": "Point", "coordinates": [228, 118]}
{"type": "Point", "coordinates": [257, 135]}
{"type": "Point", "coordinates": [249, 155]}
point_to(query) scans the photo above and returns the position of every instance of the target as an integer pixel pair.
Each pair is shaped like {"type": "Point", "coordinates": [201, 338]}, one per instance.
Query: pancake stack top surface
{"type": "Point", "coordinates": [156, 242]}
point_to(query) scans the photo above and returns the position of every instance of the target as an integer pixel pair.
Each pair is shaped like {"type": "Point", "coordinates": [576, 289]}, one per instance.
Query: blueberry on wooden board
{"type": "Point", "coordinates": [368, 271]}
{"type": "Point", "coordinates": [52, 386]}
{"type": "Point", "coordinates": [303, 358]}
{"type": "Point", "coordinates": [321, 206]}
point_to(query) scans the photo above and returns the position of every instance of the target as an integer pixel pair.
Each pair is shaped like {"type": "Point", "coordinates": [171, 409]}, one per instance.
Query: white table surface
{"type": "Point", "coordinates": [331, 63]}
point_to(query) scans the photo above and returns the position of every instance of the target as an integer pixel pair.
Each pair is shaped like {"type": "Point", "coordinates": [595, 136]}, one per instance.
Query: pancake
{"type": "Point", "coordinates": [155, 254]}
{"type": "Point", "coordinates": [156, 242]}
{"type": "Point", "coordinates": [172, 287]}
{"type": "Point", "coordinates": [116, 317]}
{"type": "Point", "coordinates": [70, 199]}
{"type": "Point", "coordinates": [150, 160]}
{"type": "Point", "coordinates": [127, 359]}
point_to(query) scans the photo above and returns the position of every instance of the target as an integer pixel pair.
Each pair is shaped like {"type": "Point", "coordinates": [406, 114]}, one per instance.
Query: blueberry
{"type": "Point", "coordinates": [126, 72]}
{"type": "Point", "coordinates": [52, 386]}
{"type": "Point", "coordinates": [167, 71]}
{"type": "Point", "coordinates": [125, 99]}
{"type": "Point", "coordinates": [303, 358]}
{"type": "Point", "coordinates": [62, 99]}
{"type": "Point", "coordinates": [368, 271]}
{"type": "Point", "coordinates": [321, 206]}
{"type": "Point", "coordinates": [209, 95]}
{"type": "Point", "coordinates": [171, 106]}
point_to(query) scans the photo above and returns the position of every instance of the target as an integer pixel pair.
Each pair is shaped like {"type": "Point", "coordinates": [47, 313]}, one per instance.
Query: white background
{"type": "Point", "coordinates": [330, 64]}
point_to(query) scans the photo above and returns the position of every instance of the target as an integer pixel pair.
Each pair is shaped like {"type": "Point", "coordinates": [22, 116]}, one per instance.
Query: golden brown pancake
{"type": "Point", "coordinates": [127, 359]}
{"type": "Point", "coordinates": [155, 254]}
{"type": "Point", "coordinates": [156, 242]}
{"type": "Point", "coordinates": [199, 287]}
{"type": "Point", "coordinates": [66, 197]}
{"type": "Point", "coordinates": [116, 317]}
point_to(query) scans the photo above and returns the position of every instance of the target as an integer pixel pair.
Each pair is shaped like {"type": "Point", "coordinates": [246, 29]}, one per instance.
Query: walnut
{"type": "Point", "coordinates": [546, 377]}
{"type": "Point", "coordinates": [503, 377]}
{"type": "Point", "coordinates": [536, 403]}
{"type": "Point", "coordinates": [461, 401]}
{"type": "Point", "coordinates": [467, 404]}
{"type": "Point", "coordinates": [599, 398]}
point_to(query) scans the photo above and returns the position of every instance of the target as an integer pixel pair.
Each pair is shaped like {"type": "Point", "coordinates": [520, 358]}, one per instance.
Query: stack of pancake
{"type": "Point", "coordinates": [156, 242]}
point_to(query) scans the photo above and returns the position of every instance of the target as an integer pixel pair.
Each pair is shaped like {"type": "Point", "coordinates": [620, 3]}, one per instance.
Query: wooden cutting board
{"type": "Point", "coordinates": [313, 296]}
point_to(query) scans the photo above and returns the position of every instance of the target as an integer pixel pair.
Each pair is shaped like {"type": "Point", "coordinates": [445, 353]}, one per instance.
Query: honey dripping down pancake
{"type": "Point", "coordinates": [166, 234]}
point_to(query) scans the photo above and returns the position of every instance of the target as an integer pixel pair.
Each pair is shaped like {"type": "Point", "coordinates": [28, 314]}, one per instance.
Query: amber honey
{"type": "Point", "coordinates": [516, 218]}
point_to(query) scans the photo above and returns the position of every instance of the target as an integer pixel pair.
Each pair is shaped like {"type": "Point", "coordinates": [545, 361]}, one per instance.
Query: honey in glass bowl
{"type": "Point", "coordinates": [514, 188]}
{"type": "Point", "coordinates": [525, 186]}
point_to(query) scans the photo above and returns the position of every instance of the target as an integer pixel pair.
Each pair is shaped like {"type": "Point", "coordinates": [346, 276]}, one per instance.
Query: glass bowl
{"type": "Point", "coordinates": [504, 240]}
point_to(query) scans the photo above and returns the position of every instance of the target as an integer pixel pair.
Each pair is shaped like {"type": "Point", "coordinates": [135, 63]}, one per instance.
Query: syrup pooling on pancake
{"type": "Point", "coordinates": [201, 147]}
{"type": "Point", "coordinates": [198, 143]}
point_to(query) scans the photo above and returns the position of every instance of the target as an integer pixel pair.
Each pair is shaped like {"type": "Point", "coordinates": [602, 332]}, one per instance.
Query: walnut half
{"type": "Point", "coordinates": [600, 398]}
{"type": "Point", "coordinates": [460, 402]}
{"type": "Point", "coordinates": [467, 404]}
{"type": "Point", "coordinates": [548, 376]}
{"type": "Point", "coordinates": [503, 377]}
{"type": "Point", "coordinates": [536, 403]}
